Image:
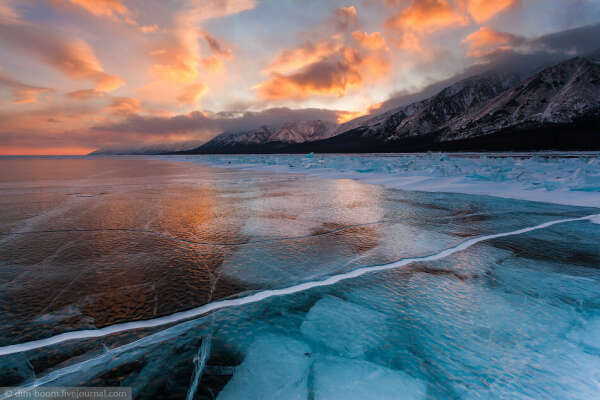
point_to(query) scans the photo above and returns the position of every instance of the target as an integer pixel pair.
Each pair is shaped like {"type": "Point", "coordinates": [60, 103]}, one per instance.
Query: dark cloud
{"type": "Point", "coordinates": [573, 41]}
{"type": "Point", "coordinates": [215, 46]}
{"type": "Point", "coordinates": [531, 56]}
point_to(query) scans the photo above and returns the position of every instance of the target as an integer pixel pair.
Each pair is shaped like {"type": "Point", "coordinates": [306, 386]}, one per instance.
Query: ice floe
{"type": "Point", "coordinates": [275, 367]}
{"type": "Point", "coordinates": [347, 328]}
{"type": "Point", "coordinates": [343, 379]}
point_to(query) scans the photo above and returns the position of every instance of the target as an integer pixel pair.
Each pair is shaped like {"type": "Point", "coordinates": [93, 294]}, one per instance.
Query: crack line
{"type": "Point", "coordinates": [266, 294]}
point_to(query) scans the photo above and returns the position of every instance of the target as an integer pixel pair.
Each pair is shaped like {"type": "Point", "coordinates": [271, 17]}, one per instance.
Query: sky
{"type": "Point", "coordinates": [79, 75]}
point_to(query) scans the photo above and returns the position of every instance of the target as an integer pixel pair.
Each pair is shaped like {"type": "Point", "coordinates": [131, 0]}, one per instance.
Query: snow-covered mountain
{"type": "Point", "coordinates": [269, 138]}
{"type": "Point", "coordinates": [431, 114]}
{"type": "Point", "coordinates": [562, 94]}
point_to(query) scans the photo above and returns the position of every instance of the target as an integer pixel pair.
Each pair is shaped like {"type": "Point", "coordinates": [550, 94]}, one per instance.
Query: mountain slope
{"type": "Point", "coordinates": [431, 114]}
{"type": "Point", "coordinates": [563, 94]}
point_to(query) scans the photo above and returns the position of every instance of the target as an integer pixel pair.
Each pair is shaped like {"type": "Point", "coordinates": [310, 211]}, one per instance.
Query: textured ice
{"type": "Point", "coordinates": [347, 328]}
{"type": "Point", "coordinates": [277, 264]}
{"type": "Point", "coordinates": [460, 326]}
{"type": "Point", "coordinates": [275, 367]}
{"type": "Point", "coordinates": [344, 379]}
{"type": "Point", "coordinates": [587, 333]}
{"type": "Point", "coordinates": [16, 368]}
{"type": "Point", "coordinates": [551, 281]}
{"type": "Point", "coordinates": [543, 177]}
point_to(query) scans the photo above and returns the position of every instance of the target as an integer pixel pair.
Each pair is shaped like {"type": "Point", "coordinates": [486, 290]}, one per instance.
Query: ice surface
{"type": "Point", "coordinates": [344, 379]}
{"type": "Point", "coordinates": [342, 313]}
{"type": "Point", "coordinates": [460, 326]}
{"type": "Point", "coordinates": [557, 283]}
{"type": "Point", "coordinates": [347, 328]}
{"type": "Point", "coordinates": [16, 368]}
{"type": "Point", "coordinates": [561, 180]}
{"type": "Point", "coordinates": [275, 367]}
{"type": "Point", "coordinates": [588, 333]}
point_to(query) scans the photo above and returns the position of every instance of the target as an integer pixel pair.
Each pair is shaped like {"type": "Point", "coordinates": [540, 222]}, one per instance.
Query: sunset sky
{"type": "Point", "coordinates": [77, 75]}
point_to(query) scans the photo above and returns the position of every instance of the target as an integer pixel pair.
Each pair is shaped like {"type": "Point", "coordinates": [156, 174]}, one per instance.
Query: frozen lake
{"type": "Point", "coordinates": [189, 279]}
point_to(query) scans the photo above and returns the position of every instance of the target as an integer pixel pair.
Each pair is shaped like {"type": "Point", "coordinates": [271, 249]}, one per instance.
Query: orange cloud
{"type": "Point", "coordinates": [330, 67]}
{"type": "Point", "coordinates": [333, 76]}
{"type": "Point", "coordinates": [372, 41]}
{"type": "Point", "coordinates": [105, 8]}
{"type": "Point", "coordinates": [149, 28]}
{"type": "Point", "coordinates": [180, 58]}
{"type": "Point", "coordinates": [77, 60]}
{"type": "Point", "coordinates": [124, 106]}
{"type": "Point", "coordinates": [487, 40]}
{"type": "Point", "coordinates": [213, 64]}
{"type": "Point", "coordinates": [374, 67]}
{"type": "Point", "coordinates": [191, 94]}
{"type": "Point", "coordinates": [159, 91]}
{"type": "Point", "coordinates": [21, 93]}
{"type": "Point", "coordinates": [322, 79]}
{"type": "Point", "coordinates": [345, 116]}
{"type": "Point", "coordinates": [8, 14]}
{"type": "Point", "coordinates": [484, 10]}
{"type": "Point", "coordinates": [179, 61]}
{"type": "Point", "coordinates": [73, 57]}
{"type": "Point", "coordinates": [409, 41]}
{"type": "Point", "coordinates": [291, 60]}
{"type": "Point", "coordinates": [85, 94]}
{"type": "Point", "coordinates": [428, 16]}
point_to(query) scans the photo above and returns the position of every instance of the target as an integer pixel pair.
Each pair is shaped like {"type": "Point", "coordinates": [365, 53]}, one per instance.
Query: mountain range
{"type": "Point", "coordinates": [271, 139]}
{"type": "Point", "coordinates": [556, 108]}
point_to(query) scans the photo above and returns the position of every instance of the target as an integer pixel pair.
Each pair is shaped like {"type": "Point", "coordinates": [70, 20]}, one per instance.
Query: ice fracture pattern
{"type": "Point", "coordinates": [188, 280]}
